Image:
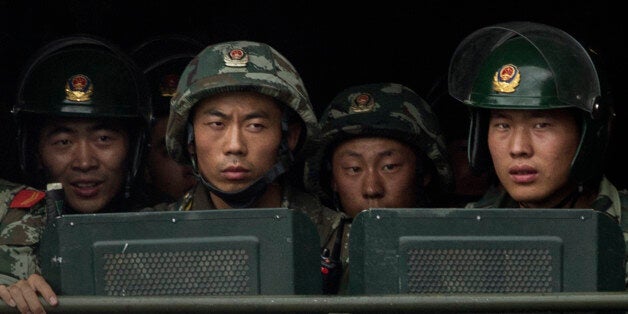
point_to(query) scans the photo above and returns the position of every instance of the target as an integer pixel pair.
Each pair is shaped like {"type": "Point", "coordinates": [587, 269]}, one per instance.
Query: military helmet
{"type": "Point", "coordinates": [162, 59]}
{"type": "Point", "coordinates": [530, 66]}
{"type": "Point", "coordinates": [382, 109]}
{"type": "Point", "coordinates": [236, 66]}
{"type": "Point", "coordinates": [80, 76]}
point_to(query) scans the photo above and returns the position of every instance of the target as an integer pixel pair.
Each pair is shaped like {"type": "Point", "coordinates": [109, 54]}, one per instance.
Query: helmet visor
{"type": "Point", "coordinates": [573, 70]}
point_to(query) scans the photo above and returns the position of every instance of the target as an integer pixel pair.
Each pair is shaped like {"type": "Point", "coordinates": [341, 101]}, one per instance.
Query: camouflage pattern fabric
{"type": "Point", "coordinates": [235, 66]}
{"type": "Point", "coordinates": [325, 219]}
{"type": "Point", "coordinates": [20, 231]}
{"type": "Point", "coordinates": [384, 109]}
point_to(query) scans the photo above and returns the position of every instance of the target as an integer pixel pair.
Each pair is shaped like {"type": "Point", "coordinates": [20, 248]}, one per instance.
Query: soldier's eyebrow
{"type": "Point", "coordinates": [352, 153]}
{"type": "Point", "coordinates": [257, 114]}
{"type": "Point", "coordinates": [214, 112]}
{"type": "Point", "coordinates": [57, 129]}
{"type": "Point", "coordinates": [252, 115]}
{"type": "Point", "coordinates": [496, 114]}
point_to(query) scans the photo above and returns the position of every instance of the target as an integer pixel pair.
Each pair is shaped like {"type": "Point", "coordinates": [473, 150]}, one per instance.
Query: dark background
{"type": "Point", "coordinates": [333, 44]}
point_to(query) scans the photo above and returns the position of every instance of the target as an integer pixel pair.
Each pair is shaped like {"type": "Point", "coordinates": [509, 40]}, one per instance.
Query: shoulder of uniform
{"type": "Point", "coordinates": [26, 197]}
{"type": "Point", "coordinates": [11, 187]}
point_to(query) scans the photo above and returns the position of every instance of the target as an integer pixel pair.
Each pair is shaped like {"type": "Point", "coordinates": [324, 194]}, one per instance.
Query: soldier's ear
{"type": "Point", "coordinates": [294, 132]}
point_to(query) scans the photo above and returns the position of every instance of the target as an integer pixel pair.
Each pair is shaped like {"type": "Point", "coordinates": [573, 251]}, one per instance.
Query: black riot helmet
{"type": "Point", "coordinates": [162, 59]}
{"type": "Point", "coordinates": [80, 76]}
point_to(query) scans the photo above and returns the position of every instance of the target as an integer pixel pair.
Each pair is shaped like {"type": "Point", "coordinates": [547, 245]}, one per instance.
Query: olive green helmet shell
{"type": "Point", "coordinates": [85, 77]}
{"type": "Point", "coordinates": [529, 66]}
{"type": "Point", "coordinates": [384, 110]}
{"type": "Point", "coordinates": [236, 66]}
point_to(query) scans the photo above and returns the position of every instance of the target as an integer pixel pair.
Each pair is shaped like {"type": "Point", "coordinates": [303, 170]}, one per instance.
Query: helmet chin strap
{"type": "Point", "coordinates": [248, 196]}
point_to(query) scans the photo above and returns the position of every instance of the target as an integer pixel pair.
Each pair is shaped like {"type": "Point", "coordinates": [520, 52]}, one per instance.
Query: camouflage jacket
{"type": "Point", "coordinates": [325, 219]}
{"type": "Point", "coordinates": [608, 200]}
{"type": "Point", "coordinates": [22, 219]}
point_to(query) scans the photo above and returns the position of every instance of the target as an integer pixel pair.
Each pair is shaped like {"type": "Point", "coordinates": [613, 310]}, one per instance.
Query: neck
{"type": "Point", "coordinates": [270, 199]}
{"type": "Point", "coordinates": [573, 196]}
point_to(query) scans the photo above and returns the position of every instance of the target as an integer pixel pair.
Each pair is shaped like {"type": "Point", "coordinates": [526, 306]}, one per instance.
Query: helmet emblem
{"type": "Point", "coordinates": [236, 58]}
{"type": "Point", "coordinates": [506, 79]}
{"type": "Point", "coordinates": [168, 85]}
{"type": "Point", "coordinates": [362, 103]}
{"type": "Point", "coordinates": [78, 88]}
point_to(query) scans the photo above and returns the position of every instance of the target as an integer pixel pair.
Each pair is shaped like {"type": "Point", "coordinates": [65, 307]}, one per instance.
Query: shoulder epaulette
{"type": "Point", "coordinates": [26, 198]}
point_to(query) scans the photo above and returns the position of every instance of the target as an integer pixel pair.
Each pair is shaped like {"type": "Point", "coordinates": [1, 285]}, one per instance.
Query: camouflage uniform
{"type": "Point", "coordinates": [20, 230]}
{"type": "Point", "coordinates": [326, 220]}
{"type": "Point", "coordinates": [531, 66]}
{"type": "Point", "coordinates": [256, 67]}
{"type": "Point", "coordinates": [376, 110]}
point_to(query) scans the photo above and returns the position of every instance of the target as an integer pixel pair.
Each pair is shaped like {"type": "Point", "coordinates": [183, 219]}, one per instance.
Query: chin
{"type": "Point", "coordinates": [526, 198]}
{"type": "Point", "coordinates": [87, 207]}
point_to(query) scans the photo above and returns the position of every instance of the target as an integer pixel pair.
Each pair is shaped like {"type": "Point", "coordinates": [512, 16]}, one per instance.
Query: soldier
{"type": "Point", "coordinates": [83, 113]}
{"type": "Point", "coordinates": [381, 147]}
{"type": "Point", "coordinates": [539, 119]}
{"type": "Point", "coordinates": [241, 116]}
{"type": "Point", "coordinates": [163, 59]}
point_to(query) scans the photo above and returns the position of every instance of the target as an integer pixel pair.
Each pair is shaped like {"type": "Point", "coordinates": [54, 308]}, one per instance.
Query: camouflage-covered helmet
{"type": "Point", "coordinates": [382, 109]}
{"type": "Point", "coordinates": [80, 76]}
{"type": "Point", "coordinates": [236, 66]}
{"type": "Point", "coordinates": [530, 66]}
{"type": "Point", "coordinates": [162, 59]}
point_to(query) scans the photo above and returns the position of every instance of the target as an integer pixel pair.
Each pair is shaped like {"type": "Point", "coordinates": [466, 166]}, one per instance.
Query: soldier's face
{"type": "Point", "coordinates": [374, 172]}
{"type": "Point", "coordinates": [532, 152]}
{"type": "Point", "coordinates": [236, 138]}
{"type": "Point", "coordinates": [88, 157]}
{"type": "Point", "coordinates": [164, 172]}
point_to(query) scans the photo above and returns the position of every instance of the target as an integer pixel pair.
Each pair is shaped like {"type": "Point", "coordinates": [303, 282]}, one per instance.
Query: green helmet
{"type": "Point", "coordinates": [80, 76]}
{"type": "Point", "coordinates": [530, 66]}
{"type": "Point", "coordinates": [240, 66]}
{"type": "Point", "coordinates": [382, 109]}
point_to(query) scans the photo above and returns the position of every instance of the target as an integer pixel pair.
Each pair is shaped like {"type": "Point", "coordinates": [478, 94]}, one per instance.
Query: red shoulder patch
{"type": "Point", "coordinates": [26, 198]}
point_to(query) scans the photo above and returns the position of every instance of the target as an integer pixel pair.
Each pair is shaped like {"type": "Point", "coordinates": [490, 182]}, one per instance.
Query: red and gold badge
{"type": "Point", "coordinates": [236, 57]}
{"type": "Point", "coordinates": [168, 85]}
{"type": "Point", "coordinates": [78, 88]}
{"type": "Point", "coordinates": [362, 103]}
{"type": "Point", "coordinates": [506, 79]}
